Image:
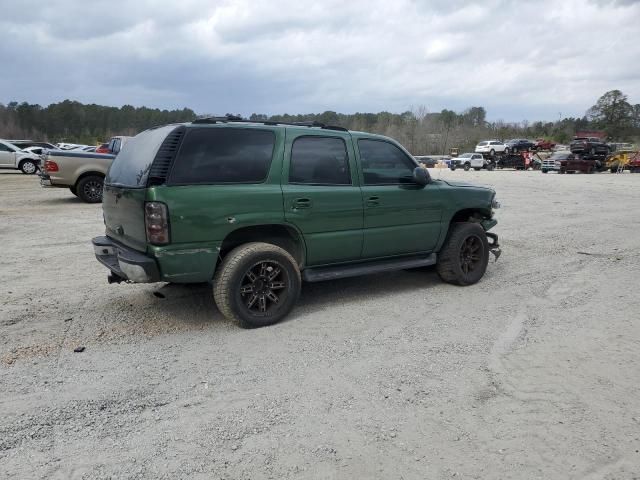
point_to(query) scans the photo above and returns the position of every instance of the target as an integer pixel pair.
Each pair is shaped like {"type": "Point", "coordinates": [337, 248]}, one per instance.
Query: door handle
{"type": "Point", "coordinates": [373, 201]}
{"type": "Point", "coordinates": [301, 203]}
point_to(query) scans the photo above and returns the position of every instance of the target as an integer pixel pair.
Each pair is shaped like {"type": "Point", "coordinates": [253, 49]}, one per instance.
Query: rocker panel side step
{"type": "Point", "coordinates": [320, 274]}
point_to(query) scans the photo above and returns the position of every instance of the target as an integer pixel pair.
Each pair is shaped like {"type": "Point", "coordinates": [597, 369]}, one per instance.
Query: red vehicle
{"type": "Point", "coordinates": [576, 163]}
{"type": "Point", "coordinates": [542, 144]}
{"type": "Point", "coordinates": [634, 163]}
{"type": "Point", "coordinates": [103, 148]}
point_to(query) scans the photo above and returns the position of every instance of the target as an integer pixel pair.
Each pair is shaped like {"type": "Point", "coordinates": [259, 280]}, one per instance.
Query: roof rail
{"type": "Point", "coordinates": [234, 118]}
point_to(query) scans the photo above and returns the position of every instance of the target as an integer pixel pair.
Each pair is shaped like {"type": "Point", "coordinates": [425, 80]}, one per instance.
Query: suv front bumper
{"type": "Point", "coordinates": [125, 263]}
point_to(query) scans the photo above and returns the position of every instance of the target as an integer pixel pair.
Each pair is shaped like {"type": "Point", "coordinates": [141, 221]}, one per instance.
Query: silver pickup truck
{"type": "Point", "coordinates": [81, 172]}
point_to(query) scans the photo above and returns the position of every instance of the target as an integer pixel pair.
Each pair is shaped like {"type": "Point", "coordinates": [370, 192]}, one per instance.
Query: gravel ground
{"type": "Point", "coordinates": [532, 373]}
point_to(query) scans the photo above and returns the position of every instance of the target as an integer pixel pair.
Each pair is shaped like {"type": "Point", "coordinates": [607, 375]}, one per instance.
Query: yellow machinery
{"type": "Point", "coordinates": [618, 160]}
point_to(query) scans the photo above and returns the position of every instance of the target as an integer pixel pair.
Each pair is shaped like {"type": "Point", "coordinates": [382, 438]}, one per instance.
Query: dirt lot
{"type": "Point", "coordinates": [533, 373]}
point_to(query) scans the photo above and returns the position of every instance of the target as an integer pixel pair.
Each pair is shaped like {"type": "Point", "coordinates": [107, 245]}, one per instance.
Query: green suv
{"type": "Point", "coordinates": [257, 207]}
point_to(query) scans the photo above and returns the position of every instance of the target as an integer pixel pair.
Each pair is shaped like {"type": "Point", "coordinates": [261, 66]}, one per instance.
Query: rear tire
{"type": "Point", "coordinates": [544, 170]}
{"type": "Point", "coordinates": [73, 190]}
{"type": "Point", "coordinates": [465, 254]}
{"type": "Point", "coordinates": [257, 284]}
{"type": "Point", "coordinates": [28, 167]}
{"type": "Point", "coordinates": [89, 188]}
{"type": "Point", "coordinates": [492, 152]}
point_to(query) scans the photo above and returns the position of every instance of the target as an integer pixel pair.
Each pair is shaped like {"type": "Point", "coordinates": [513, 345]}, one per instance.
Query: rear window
{"type": "Point", "coordinates": [223, 155]}
{"type": "Point", "coordinates": [131, 167]}
{"type": "Point", "coordinates": [482, 144]}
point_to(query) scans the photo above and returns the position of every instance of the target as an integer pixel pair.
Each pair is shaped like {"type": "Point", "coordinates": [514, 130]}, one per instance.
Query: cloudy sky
{"type": "Point", "coordinates": [519, 59]}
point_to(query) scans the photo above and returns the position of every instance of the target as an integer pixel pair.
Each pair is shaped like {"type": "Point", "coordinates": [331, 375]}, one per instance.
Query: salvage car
{"type": "Point", "coordinates": [15, 158]}
{"type": "Point", "coordinates": [491, 147]}
{"type": "Point", "coordinates": [467, 161]}
{"type": "Point", "coordinates": [590, 145]}
{"type": "Point", "coordinates": [259, 207]}
{"type": "Point", "coordinates": [520, 145]}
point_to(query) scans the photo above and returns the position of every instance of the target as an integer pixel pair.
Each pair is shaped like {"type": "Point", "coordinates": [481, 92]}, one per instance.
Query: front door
{"type": "Point", "coordinates": [400, 217]}
{"type": "Point", "coordinates": [321, 197]}
{"type": "Point", "coordinates": [7, 156]}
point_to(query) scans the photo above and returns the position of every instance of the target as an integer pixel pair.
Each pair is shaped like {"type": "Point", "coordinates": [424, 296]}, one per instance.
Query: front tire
{"type": "Point", "coordinates": [465, 254]}
{"type": "Point", "coordinates": [257, 284]}
{"type": "Point", "coordinates": [28, 167]}
{"type": "Point", "coordinates": [467, 167]}
{"type": "Point", "coordinates": [89, 189]}
{"type": "Point", "coordinates": [492, 152]}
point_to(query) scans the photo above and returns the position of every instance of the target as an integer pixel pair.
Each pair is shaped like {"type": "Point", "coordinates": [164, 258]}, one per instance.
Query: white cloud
{"type": "Point", "coordinates": [517, 59]}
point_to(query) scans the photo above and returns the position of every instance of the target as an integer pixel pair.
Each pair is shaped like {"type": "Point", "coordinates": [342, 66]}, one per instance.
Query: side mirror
{"type": "Point", "coordinates": [421, 176]}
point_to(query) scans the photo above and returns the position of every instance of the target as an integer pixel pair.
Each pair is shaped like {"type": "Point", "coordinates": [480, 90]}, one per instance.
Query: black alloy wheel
{"type": "Point", "coordinates": [264, 287]}
{"type": "Point", "coordinates": [470, 254]}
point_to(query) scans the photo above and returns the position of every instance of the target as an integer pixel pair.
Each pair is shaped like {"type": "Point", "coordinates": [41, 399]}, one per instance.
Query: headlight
{"type": "Point", "coordinates": [495, 203]}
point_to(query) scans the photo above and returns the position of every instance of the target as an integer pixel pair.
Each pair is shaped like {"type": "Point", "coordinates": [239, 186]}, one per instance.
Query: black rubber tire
{"type": "Point", "coordinates": [477, 169]}
{"type": "Point", "coordinates": [506, 151]}
{"type": "Point", "coordinates": [613, 169]}
{"type": "Point", "coordinates": [89, 189]}
{"type": "Point", "coordinates": [544, 170]}
{"type": "Point", "coordinates": [467, 167]}
{"type": "Point", "coordinates": [492, 152]}
{"type": "Point", "coordinates": [28, 166]}
{"type": "Point", "coordinates": [453, 167]}
{"type": "Point", "coordinates": [449, 265]}
{"type": "Point", "coordinates": [230, 274]}
{"type": "Point", "coordinates": [491, 167]}
{"type": "Point", "coordinates": [73, 190]}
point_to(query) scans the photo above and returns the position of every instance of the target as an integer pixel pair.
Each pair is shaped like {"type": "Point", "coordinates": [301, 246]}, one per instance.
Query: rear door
{"type": "Point", "coordinates": [400, 217]}
{"type": "Point", "coordinates": [321, 195]}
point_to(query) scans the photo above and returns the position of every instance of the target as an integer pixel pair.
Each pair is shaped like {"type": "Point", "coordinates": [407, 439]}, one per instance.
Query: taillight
{"type": "Point", "coordinates": [50, 166]}
{"type": "Point", "coordinates": [156, 220]}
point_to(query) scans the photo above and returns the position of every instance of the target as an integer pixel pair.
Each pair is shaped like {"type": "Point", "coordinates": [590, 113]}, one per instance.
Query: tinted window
{"type": "Point", "coordinates": [482, 144]}
{"type": "Point", "coordinates": [319, 161]}
{"type": "Point", "coordinates": [384, 163]}
{"type": "Point", "coordinates": [131, 166]}
{"type": "Point", "coordinates": [223, 155]}
{"type": "Point", "coordinates": [5, 148]}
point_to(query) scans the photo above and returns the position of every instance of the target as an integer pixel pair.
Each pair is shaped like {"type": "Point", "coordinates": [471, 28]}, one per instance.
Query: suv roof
{"type": "Point", "coordinates": [234, 119]}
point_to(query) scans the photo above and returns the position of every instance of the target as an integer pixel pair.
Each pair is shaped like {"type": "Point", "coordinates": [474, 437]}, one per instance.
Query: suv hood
{"type": "Point", "coordinates": [466, 185]}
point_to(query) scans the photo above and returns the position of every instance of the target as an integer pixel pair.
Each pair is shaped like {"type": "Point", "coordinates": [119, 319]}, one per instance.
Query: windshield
{"type": "Point", "coordinates": [559, 156]}
{"type": "Point", "coordinates": [131, 166]}
{"type": "Point", "coordinates": [465, 155]}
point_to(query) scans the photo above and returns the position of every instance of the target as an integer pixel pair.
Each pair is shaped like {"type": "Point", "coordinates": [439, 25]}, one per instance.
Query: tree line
{"type": "Point", "coordinates": [421, 131]}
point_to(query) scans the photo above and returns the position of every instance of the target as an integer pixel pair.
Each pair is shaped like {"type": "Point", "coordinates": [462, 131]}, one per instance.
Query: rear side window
{"type": "Point", "coordinates": [482, 144]}
{"type": "Point", "coordinates": [319, 161]}
{"type": "Point", "coordinates": [223, 155]}
{"type": "Point", "coordinates": [384, 164]}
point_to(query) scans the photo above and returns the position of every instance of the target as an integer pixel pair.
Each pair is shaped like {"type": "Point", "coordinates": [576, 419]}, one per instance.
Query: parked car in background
{"type": "Point", "coordinates": [16, 158]}
{"type": "Point", "coordinates": [81, 172]}
{"type": "Point", "coordinates": [590, 145]}
{"type": "Point", "coordinates": [257, 208]}
{"type": "Point", "coordinates": [491, 147]}
{"type": "Point", "coordinates": [520, 145]}
{"type": "Point", "coordinates": [576, 163]}
{"type": "Point", "coordinates": [542, 144]}
{"type": "Point", "coordinates": [24, 144]}
{"type": "Point", "coordinates": [102, 148]}
{"type": "Point", "coordinates": [552, 163]}
{"type": "Point", "coordinates": [469, 161]}
{"type": "Point", "coordinates": [427, 161]}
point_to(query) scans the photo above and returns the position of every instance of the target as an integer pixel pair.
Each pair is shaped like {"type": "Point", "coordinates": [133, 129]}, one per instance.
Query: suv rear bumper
{"type": "Point", "coordinates": [125, 263]}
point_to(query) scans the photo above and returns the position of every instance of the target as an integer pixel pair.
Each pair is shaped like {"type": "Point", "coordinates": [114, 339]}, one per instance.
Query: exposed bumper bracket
{"type": "Point", "coordinates": [494, 246]}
